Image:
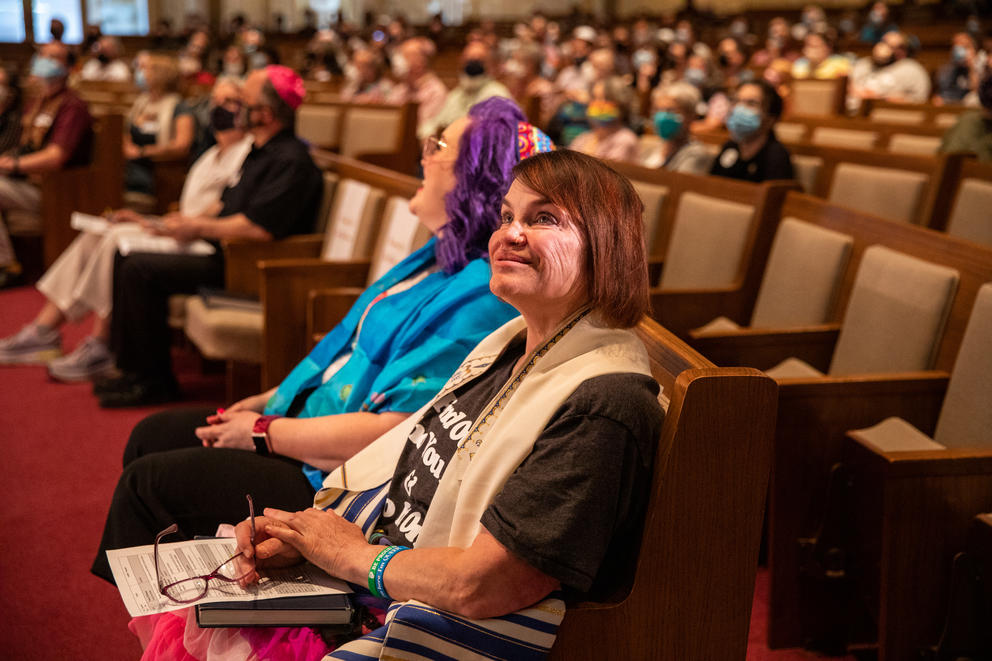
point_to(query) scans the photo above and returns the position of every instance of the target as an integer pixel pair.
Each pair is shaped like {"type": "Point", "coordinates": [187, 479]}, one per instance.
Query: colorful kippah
{"type": "Point", "coordinates": [532, 140]}
{"type": "Point", "coordinates": [287, 83]}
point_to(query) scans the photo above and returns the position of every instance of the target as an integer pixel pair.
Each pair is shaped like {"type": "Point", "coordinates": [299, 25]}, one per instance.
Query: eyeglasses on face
{"type": "Point", "coordinates": [432, 146]}
{"type": "Point", "coordinates": [188, 590]}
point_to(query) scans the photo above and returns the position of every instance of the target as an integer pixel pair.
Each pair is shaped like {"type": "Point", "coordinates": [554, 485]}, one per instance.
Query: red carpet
{"type": "Point", "coordinates": [61, 460]}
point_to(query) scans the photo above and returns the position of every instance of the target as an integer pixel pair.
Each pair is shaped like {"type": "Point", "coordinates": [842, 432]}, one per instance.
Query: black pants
{"type": "Point", "coordinates": [169, 477]}
{"type": "Point", "coordinates": [143, 282]}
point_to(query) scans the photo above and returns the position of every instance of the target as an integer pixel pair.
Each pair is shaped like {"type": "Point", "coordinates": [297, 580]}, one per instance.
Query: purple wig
{"type": "Point", "coordinates": [483, 174]}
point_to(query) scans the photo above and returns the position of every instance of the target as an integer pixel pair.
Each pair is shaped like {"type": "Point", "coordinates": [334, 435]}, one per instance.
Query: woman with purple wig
{"type": "Point", "coordinates": [393, 351]}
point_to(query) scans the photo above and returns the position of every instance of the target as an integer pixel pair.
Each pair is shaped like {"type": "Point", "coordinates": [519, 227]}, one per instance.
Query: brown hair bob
{"type": "Point", "coordinates": [607, 211]}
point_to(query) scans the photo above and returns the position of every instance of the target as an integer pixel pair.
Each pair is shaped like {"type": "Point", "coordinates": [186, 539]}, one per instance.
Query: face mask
{"type": "Point", "coordinates": [603, 112]}
{"type": "Point", "coordinates": [743, 122]}
{"type": "Point", "coordinates": [846, 25]}
{"type": "Point", "coordinates": [683, 35]}
{"type": "Point", "coordinates": [222, 119]}
{"type": "Point", "coordinates": [513, 68]}
{"type": "Point", "coordinates": [399, 65]}
{"type": "Point", "coordinates": [738, 28]}
{"type": "Point", "coordinates": [695, 77]}
{"type": "Point", "coordinates": [139, 79]}
{"type": "Point", "coordinates": [474, 68]}
{"type": "Point", "coordinates": [876, 17]}
{"type": "Point", "coordinates": [959, 53]}
{"type": "Point", "coordinates": [102, 57]}
{"type": "Point", "coordinates": [667, 124]}
{"type": "Point", "coordinates": [47, 68]}
{"type": "Point", "coordinates": [723, 61]}
{"type": "Point", "coordinates": [234, 69]}
{"type": "Point", "coordinates": [642, 57]}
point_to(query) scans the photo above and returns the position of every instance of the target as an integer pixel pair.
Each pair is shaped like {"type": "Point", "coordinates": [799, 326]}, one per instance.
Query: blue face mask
{"type": "Point", "coordinates": [959, 53]}
{"type": "Point", "coordinates": [743, 122]}
{"type": "Point", "coordinates": [695, 77]}
{"type": "Point", "coordinates": [667, 124]}
{"type": "Point", "coordinates": [47, 68]}
{"type": "Point", "coordinates": [139, 78]}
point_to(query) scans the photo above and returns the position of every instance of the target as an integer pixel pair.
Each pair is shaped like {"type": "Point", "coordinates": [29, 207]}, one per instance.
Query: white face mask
{"type": "Point", "coordinates": [513, 68]}
{"type": "Point", "coordinates": [351, 72]}
{"type": "Point", "coordinates": [399, 65]}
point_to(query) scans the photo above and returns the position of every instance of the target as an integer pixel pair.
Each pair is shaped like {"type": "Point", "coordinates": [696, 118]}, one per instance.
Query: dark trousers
{"type": "Point", "coordinates": [143, 282]}
{"type": "Point", "coordinates": [169, 477]}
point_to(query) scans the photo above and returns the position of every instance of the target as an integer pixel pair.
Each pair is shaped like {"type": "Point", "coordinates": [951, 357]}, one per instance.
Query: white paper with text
{"type": "Point", "coordinates": [134, 572]}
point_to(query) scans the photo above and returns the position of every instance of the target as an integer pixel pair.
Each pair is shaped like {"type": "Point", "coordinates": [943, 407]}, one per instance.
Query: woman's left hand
{"type": "Point", "coordinates": [232, 430]}
{"type": "Point", "coordinates": [322, 537]}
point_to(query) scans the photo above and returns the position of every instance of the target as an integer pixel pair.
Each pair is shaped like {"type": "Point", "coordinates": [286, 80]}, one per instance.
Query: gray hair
{"type": "Point", "coordinates": [282, 111]}
{"type": "Point", "coordinates": [684, 94]}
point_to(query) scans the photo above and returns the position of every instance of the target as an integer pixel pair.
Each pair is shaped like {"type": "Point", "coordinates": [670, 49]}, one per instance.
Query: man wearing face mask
{"type": "Point", "coordinates": [878, 24]}
{"type": "Point", "coordinates": [674, 106]}
{"type": "Point", "coordinates": [474, 84]}
{"type": "Point", "coordinates": [277, 194]}
{"type": "Point", "coordinates": [411, 64]}
{"type": "Point", "coordinates": [106, 62]}
{"type": "Point", "coordinates": [753, 153]}
{"type": "Point", "coordinates": [80, 281]}
{"type": "Point", "coordinates": [959, 77]}
{"type": "Point", "coordinates": [889, 74]}
{"type": "Point", "coordinates": [56, 132]}
{"type": "Point", "coordinates": [574, 80]}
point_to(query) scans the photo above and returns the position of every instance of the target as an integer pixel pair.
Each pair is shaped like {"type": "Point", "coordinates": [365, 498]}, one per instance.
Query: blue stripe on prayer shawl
{"type": "Point", "coordinates": [531, 623]}
{"type": "Point", "coordinates": [422, 650]}
{"type": "Point", "coordinates": [467, 634]}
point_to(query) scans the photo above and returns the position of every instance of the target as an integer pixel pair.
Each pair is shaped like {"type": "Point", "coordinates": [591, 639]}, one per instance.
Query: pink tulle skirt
{"type": "Point", "coordinates": [176, 636]}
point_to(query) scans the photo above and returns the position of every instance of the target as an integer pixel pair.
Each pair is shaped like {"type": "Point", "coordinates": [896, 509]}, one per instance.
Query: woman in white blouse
{"type": "Point", "coordinates": [81, 280]}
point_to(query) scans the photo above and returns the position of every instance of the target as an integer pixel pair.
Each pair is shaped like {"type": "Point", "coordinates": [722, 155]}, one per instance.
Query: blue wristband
{"type": "Point", "coordinates": [377, 571]}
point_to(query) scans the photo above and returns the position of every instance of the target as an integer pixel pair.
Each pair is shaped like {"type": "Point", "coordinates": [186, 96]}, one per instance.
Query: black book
{"type": "Point", "coordinates": [220, 298]}
{"type": "Point", "coordinates": [329, 610]}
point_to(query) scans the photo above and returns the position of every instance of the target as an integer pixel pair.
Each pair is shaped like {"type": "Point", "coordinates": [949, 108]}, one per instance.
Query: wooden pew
{"type": "Point", "coordinates": [682, 309]}
{"type": "Point", "coordinates": [810, 96]}
{"type": "Point", "coordinates": [814, 414]}
{"type": "Point", "coordinates": [912, 113]}
{"type": "Point", "coordinates": [693, 578]}
{"type": "Point", "coordinates": [380, 134]}
{"type": "Point", "coordinates": [971, 179]}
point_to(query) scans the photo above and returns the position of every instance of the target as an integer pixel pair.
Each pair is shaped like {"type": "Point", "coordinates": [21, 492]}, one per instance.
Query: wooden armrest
{"type": "Point", "coordinates": [931, 463]}
{"type": "Point", "coordinates": [680, 310]}
{"type": "Point", "coordinates": [242, 256]}
{"type": "Point", "coordinates": [764, 348]}
{"type": "Point", "coordinates": [284, 289]}
{"type": "Point", "coordinates": [326, 308]}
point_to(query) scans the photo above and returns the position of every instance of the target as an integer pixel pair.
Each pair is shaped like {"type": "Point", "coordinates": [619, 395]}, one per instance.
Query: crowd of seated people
{"type": "Point", "coordinates": [552, 237]}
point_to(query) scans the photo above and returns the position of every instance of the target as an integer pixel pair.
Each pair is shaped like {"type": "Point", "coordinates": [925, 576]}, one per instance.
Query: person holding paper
{"type": "Point", "coordinates": [80, 281]}
{"type": "Point", "coordinates": [277, 194]}
{"type": "Point", "coordinates": [520, 486]}
{"type": "Point", "coordinates": [391, 353]}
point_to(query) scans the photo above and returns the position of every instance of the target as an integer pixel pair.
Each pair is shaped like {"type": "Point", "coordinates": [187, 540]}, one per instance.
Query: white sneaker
{"type": "Point", "coordinates": [92, 358]}
{"type": "Point", "coordinates": [31, 344]}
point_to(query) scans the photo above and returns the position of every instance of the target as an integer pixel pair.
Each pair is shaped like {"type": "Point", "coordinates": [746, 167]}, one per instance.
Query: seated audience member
{"type": "Point", "coordinates": [80, 281]}
{"type": "Point", "coordinates": [889, 74]}
{"type": "Point", "coordinates": [608, 136]}
{"type": "Point", "coordinates": [106, 62]}
{"type": "Point", "coordinates": [574, 79]}
{"type": "Point", "coordinates": [367, 81]}
{"type": "Point", "coordinates": [674, 109]}
{"type": "Point", "coordinates": [753, 153]}
{"type": "Point", "coordinates": [412, 67]}
{"type": "Point", "coordinates": [524, 80]}
{"type": "Point", "coordinates": [973, 130]}
{"type": "Point", "coordinates": [877, 25]}
{"type": "Point", "coordinates": [278, 194]}
{"type": "Point", "coordinates": [569, 257]}
{"type": "Point", "coordinates": [194, 60]}
{"type": "Point", "coordinates": [778, 45]}
{"type": "Point", "coordinates": [475, 84]}
{"type": "Point", "coordinates": [958, 79]}
{"type": "Point", "coordinates": [819, 60]}
{"type": "Point", "coordinates": [10, 109]}
{"type": "Point", "coordinates": [393, 351]}
{"type": "Point", "coordinates": [233, 61]}
{"type": "Point", "coordinates": [732, 63]}
{"type": "Point", "coordinates": [323, 57]}
{"type": "Point", "coordinates": [159, 125]}
{"type": "Point", "coordinates": [56, 132]}
{"type": "Point", "coordinates": [257, 54]}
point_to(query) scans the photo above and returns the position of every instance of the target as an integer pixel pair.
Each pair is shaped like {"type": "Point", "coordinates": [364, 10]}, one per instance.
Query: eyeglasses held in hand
{"type": "Point", "coordinates": [432, 146]}
{"type": "Point", "coordinates": [188, 590]}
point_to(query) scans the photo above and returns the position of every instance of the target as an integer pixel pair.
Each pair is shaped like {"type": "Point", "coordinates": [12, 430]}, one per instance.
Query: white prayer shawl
{"type": "Point", "coordinates": [476, 475]}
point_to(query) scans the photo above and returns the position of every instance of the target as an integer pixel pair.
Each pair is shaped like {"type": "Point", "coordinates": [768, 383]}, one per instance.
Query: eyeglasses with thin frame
{"type": "Point", "coordinates": [432, 146]}
{"type": "Point", "coordinates": [188, 590]}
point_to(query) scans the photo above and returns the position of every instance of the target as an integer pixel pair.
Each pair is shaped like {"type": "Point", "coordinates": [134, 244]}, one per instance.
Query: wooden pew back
{"type": "Point", "coordinates": [694, 576]}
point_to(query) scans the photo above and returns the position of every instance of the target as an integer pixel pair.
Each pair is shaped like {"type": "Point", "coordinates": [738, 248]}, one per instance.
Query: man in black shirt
{"type": "Point", "coordinates": [278, 194]}
{"type": "Point", "coordinates": [753, 153]}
